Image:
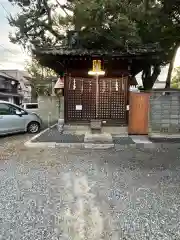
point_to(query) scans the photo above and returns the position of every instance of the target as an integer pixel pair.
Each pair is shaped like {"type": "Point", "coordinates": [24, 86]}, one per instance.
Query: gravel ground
{"type": "Point", "coordinates": [86, 194]}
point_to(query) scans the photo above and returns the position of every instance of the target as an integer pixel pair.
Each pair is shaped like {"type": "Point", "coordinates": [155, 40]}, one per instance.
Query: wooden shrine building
{"type": "Point", "coordinates": [87, 97]}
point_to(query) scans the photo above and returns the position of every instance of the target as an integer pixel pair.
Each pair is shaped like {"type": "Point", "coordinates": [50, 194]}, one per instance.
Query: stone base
{"type": "Point", "coordinates": [98, 138]}
{"type": "Point", "coordinates": [95, 125]}
{"type": "Point", "coordinates": [60, 124]}
{"type": "Point", "coordinates": [76, 129]}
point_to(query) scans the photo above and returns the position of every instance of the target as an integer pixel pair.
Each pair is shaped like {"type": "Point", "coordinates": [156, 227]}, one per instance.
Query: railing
{"type": "Point", "coordinates": [7, 90]}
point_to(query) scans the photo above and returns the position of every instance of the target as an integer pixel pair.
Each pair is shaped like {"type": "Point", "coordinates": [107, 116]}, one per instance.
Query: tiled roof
{"type": "Point", "coordinates": [83, 52]}
{"type": "Point", "coordinates": [2, 74]}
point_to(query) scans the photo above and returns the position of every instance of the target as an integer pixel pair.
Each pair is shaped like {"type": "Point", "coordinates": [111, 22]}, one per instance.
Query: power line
{"type": "Point", "coordinates": [1, 44]}
{"type": "Point", "coordinates": [7, 50]}
{"type": "Point", "coordinates": [5, 9]}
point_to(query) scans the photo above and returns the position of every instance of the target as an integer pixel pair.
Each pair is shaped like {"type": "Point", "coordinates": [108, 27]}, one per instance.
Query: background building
{"type": "Point", "coordinates": [9, 89]}
{"type": "Point", "coordinates": [24, 84]}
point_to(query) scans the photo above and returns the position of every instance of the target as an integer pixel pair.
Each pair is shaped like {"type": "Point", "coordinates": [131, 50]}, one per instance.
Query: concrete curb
{"type": "Point", "coordinates": [168, 136]}
{"type": "Point", "coordinates": [84, 145]}
{"type": "Point", "coordinates": [67, 145]}
{"type": "Point", "coordinates": [165, 140]}
{"type": "Point", "coordinates": [160, 138]}
{"type": "Point", "coordinates": [39, 144]}
{"type": "Point", "coordinates": [52, 145]}
{"type": "Point", "coordinates": [88, 145]}
{"type": "Point", "coordinates": [139, 142]}
{"type": "Point", "coordinates": [98, 146]}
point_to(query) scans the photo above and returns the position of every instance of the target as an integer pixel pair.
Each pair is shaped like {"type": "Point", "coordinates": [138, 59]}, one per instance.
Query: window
{"type": "Point", "coordinates": [12, 110]}
{"type": "Point", "coordinates": [4, 99]}
{"type": "Point", "coordinates": [4, 109]}
{"type": "Point", "coordinates": [32, 106]}
{"type": "Point", "coordinates": [8, 109]}
{"type": "Point", "coordinates": [5, 84]}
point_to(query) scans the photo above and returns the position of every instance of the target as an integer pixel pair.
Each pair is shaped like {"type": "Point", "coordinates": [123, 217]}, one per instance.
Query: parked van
{"type": "Point", "coordinates": [30, 106]}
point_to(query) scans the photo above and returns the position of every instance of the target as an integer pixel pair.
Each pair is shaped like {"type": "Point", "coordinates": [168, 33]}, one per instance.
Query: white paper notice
{"type": "Point", "coordinates": [79, 107]}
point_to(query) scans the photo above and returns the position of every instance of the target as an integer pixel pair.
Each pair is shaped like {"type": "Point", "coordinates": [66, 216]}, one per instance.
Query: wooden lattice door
{"type": "Point", "coordinates": [119, 100]}
{"type": "Point", "coordinates": [113, 99]}
{"type": "Point", "coordinates": [80, 99]}
{"type": "Point", "coordinates": [104, 110]}
{"type": "Point", "coordinates": [86, 100]}
{"type": "Point", "coordinates": [89, 99]}
{"type": "Point", "coordinates": [73, 98]}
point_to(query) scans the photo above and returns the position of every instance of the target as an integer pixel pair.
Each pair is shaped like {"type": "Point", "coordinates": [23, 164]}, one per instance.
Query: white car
{"type": "Point", "coordinates": [14, 119]}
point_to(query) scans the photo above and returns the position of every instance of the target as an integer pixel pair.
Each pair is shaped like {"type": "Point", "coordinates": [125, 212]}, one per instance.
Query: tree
{"type": "Point", "coordinates": [39, 79]}
{"type": "Point", "coordinates": [102, 24]}
{"type": "Point", "coordinates": [170, 16]}
{"type": "Point", "coordinates": [41, 23]}
{"type": "Point", "coordinates": [176, 79]}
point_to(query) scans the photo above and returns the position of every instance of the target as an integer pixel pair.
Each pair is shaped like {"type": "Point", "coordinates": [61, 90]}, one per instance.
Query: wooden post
{"type": "Point", "coordinates": [97, 95]}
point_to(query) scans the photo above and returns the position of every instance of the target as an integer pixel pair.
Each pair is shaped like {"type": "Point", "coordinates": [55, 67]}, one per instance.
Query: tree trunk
{"type": "Point", "coordinates": [146, 5]}
{"type": "Point", "coordinates": [149, 79]}
{"type": "Point", "coordinates": [168, 79]}
{"type": "Point", "coordinates": [171, 66]}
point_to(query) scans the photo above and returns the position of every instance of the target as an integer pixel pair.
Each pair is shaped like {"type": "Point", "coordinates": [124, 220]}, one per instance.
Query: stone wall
{"type": "Point", "coordinates": [164, 112]}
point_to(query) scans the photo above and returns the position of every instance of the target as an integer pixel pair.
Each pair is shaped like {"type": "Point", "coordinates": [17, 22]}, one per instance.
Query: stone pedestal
{"type": "Point", "coordinates": [60, 124]}
{"type": "Point", "coordinates": [96, 125]}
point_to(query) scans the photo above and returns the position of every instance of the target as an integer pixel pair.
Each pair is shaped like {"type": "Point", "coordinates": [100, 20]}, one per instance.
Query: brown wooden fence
{"type": "Point", "coordinates": [138, 113]}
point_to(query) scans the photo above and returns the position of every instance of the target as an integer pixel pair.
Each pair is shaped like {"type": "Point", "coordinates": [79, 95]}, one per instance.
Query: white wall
{"type": "Point", "coordinates": [49, 109]}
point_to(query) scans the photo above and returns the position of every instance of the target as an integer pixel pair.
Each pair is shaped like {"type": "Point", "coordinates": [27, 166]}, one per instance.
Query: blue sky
{"type": "Point", "coordinates": [13, 57]}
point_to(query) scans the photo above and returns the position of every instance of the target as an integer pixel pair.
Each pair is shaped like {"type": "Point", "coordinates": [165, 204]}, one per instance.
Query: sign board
{"type": "Point", "coordinates": [79, 107]}
{"type": "Point", "coordinates": [96, 65]}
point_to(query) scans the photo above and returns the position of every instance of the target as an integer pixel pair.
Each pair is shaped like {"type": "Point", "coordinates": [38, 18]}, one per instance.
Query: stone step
{"type": "Point", "coordinates": [121, 131]}
{"type": "Point", "coordinates": [98, 138]}
{"type": "Point", "coordinates": [115, 130]}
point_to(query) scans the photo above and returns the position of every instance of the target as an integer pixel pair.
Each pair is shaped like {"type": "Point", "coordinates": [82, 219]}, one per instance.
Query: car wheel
{"type": "Point", "coordinates": [33, 127]}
